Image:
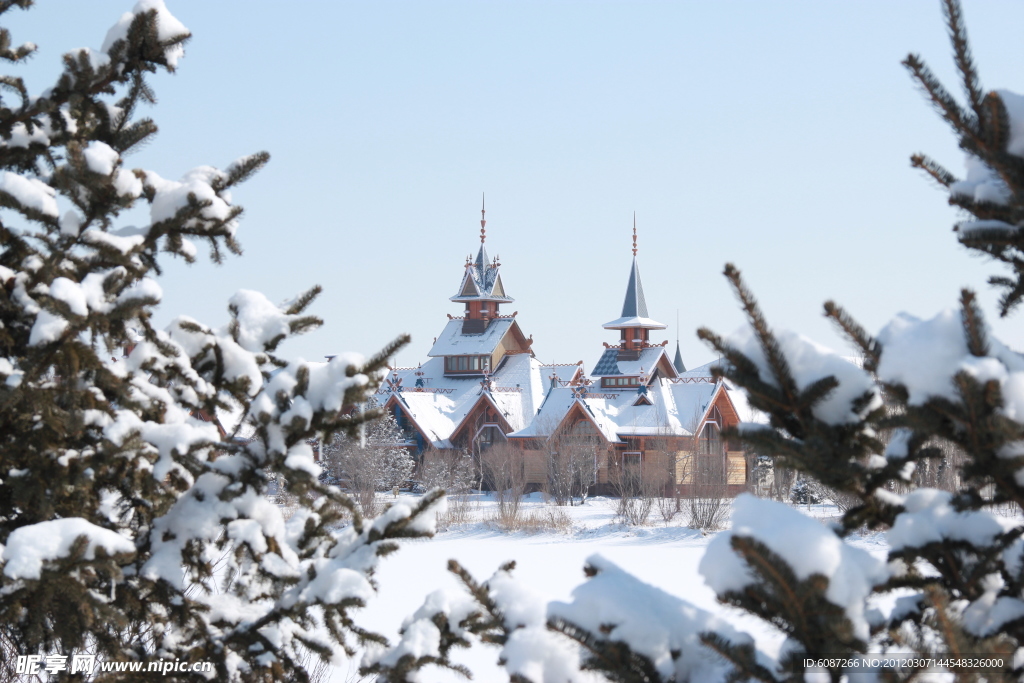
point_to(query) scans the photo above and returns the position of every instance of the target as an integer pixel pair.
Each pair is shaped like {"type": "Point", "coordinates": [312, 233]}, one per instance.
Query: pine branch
{"type": "Point", "coordinates": [974, 324]}
{"type": "Point", "coordinates": [867, 344]}
{"type": "Point", "coordinates": [742, 656]}
{"type": "Point", "coordinates": [933, 168]}
{"type": "Point", "coordinates": [379, 360]}
{"type": "Point", "coordinates": [303, 300]}
{"type": "Point", "coordinates": [615, 659]}
{"type": "Point", "coordinates": [962, 55]}
{"type": "Point", "coordinates": [241, 170]}
{"type": "Point", "coordinates": [944, 103]}
{"type": "Point", "coordinates": [773, 354]}
{"type": "Point", "coordinates": [997, 121]}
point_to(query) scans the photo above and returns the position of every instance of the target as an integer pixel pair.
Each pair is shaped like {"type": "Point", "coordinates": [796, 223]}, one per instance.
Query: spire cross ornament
{"type": "Point", "coordinates": [634, 233]}
{"type": "Point", "coordinates": [483, 221]}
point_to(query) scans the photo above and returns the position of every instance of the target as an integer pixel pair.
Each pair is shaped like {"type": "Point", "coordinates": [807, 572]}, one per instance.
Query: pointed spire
{"type": "Point", "coordinates": [481, 281]}
{"type": "Point", "coordinates": [634, 307]}
{"type": "Point", "coordinates": [634, 234]}
{"type": "Point", "coordinates": [481, 257]}
{"type": "Point", "coordinates": [483, 218]}
{"type": "Point", "coordinates": [677, 362]}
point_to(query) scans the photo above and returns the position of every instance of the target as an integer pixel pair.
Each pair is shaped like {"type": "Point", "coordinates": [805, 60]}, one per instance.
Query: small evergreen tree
{"type": "Point", "coordinates": [955, 566]}
{"type": "Point", "coordinates": [131, 527]}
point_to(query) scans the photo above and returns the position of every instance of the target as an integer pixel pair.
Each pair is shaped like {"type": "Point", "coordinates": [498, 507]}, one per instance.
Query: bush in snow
{"type": "Point", "coordinates": [131, 526]}
{"type": "Point", "coordinates": [367, 463]}
{"type": "Point", "coordinates": [456, 473]}
{"type": "Point", "coordinates": [955, 571]}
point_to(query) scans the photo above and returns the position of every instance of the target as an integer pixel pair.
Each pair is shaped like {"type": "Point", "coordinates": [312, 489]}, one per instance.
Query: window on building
{"type": "Point", "coordinates": [488, 436]}
{"type": "Point", "coordinates": [620, 381]}
{"type": "Point", "coordinates": [710, 440]}
{"type": "Point", "coordinates": [467, 364]}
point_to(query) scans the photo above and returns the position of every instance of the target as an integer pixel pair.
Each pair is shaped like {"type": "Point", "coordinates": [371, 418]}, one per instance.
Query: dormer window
{"type": "Point", "coordinates": [620, 381]}
{"type": "Point", "coordinates": [466, 364]}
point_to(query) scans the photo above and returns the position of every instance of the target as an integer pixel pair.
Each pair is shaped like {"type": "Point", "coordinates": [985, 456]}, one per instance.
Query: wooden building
{"type": "Point", "coordinates": [638, 410]}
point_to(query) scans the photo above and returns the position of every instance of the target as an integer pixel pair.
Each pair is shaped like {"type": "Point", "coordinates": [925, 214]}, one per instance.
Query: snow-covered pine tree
{"type": "Point", "coordinates": [955, 568]}
{"type": "Point", "coordinates": [131, 527]}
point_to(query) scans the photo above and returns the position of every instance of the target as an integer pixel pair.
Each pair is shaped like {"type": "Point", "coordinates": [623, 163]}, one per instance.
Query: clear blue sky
{"type": "Point", "coordinates": [775, 135]}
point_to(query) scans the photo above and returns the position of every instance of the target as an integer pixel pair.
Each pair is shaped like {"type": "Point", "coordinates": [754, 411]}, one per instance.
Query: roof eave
{"type": "Point", "coordinates": [635, 321]}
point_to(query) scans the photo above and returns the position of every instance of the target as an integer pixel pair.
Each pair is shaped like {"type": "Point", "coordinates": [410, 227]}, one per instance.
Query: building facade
{"type": "Point", "coordinates": [639, 414]}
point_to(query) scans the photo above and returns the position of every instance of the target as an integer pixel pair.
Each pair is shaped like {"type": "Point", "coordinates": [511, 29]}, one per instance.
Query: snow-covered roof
{"type": "Point", "coordinates": [481, 281]}
{"type": "Point", "coordinates": [441, 405]}
{"type": "Point", "coordinates": [609, 365]}
{"type": "Point", "coordinates": [700, 370]}
{"type": "Point", "coordinates": [633, 321]}
{"type": "Point", "coordinates": [452, 341]}
{"type": "Point", "coordinates": [675, 410]}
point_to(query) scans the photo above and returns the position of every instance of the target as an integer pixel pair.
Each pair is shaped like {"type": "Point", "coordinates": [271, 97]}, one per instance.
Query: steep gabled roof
{"type": "Point", "coordinates": [440, 409]}
{"type": "Point", "coordinates": [481, 281]}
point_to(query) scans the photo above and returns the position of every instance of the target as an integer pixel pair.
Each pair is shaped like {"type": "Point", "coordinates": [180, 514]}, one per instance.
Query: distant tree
{"type": "Point", "coordinates": [505, 473]}
{"type": "Point", "coordinates": [455, 473]}
{"type": "Point", "coordinates": [367, 463]}
{"type": "Point", "coordinates": [571, 463]}
{"type": "Point", "coordinates": [635, 483]}
{"type": "Point", "coordinates": [131, 527]}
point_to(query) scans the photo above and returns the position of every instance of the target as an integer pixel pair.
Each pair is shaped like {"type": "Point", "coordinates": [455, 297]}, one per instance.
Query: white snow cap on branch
{"type": "Point", "coordinates": [31, 193]}
{"type": "Point", "coordinates": [172, 196]}
{"type": "Point", "coordinates": [167, 26]}
{"type": "Point", "coordinates": [925, 355]}
{"type": "Point", "coordinates": [982, 184]}
{"type": "Point", "coordinates": [652, 622]}
{"type": "Point", "coordinates": [259, 321]}
{"type": "Point", "coordinates": [931, 518]}
{"type": "Point", "coordinates": [100, 157]}
{"type": "Point", "coordinates": [28, 547]}
{"type": "Point", "coordinates": [806, 545]}
{"type": "Point", "coordinates": [808, 363]}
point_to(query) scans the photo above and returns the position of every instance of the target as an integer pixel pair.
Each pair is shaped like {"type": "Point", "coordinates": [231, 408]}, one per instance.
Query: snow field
{"type": "Point", "coordinates": [551, 564]}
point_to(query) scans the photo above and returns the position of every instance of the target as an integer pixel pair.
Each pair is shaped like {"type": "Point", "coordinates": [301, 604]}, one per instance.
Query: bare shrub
{"type": "Point", "coordinates": [572, 463]}
{"type": "Point", "coordinates": [825, 494]}
{"type": "Point", "coordinates": [455, 472]}
{"type": "Point", "coordinates": [707, 502]}
{"type": "Point", "coordinates": [663, 473]}
{"type": "Point", "coordinates": [549, 518]}
{"type": "Point", "coordinates": [505, 473]}
{"type": "Point", "coordinates": [378, 462]}
{"type": "Point", "coordinates": [636, 487]}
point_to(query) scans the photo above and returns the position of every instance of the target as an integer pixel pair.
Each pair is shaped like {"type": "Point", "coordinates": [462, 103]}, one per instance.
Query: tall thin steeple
{"type": "Point", "coordinates": [481, 289]}
{"type": "Point", "coordinates": [634, 306]}
{"type": "Point", "coordinates": [481, 257]}
{"type": "Point", "coordinates": [677, 362]}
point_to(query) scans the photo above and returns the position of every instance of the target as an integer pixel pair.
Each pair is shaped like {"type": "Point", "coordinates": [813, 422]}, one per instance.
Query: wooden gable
{"type": "Point", "coordinates": [577, 413]}
{"type": "Point", "coordinates": [513, 341]}
{"type": "Point", "coordinates": [485, 410]}
{"type": "Point", "coordinates": [665, 368]}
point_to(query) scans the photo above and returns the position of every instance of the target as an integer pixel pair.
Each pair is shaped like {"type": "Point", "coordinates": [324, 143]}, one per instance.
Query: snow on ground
{"type": "Point", "coordinates": [551, 562]}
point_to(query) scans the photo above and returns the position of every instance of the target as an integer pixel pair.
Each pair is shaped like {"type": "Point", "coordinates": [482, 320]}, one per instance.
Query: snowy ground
{"type": "Point", "coordinates": [664, 555]}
